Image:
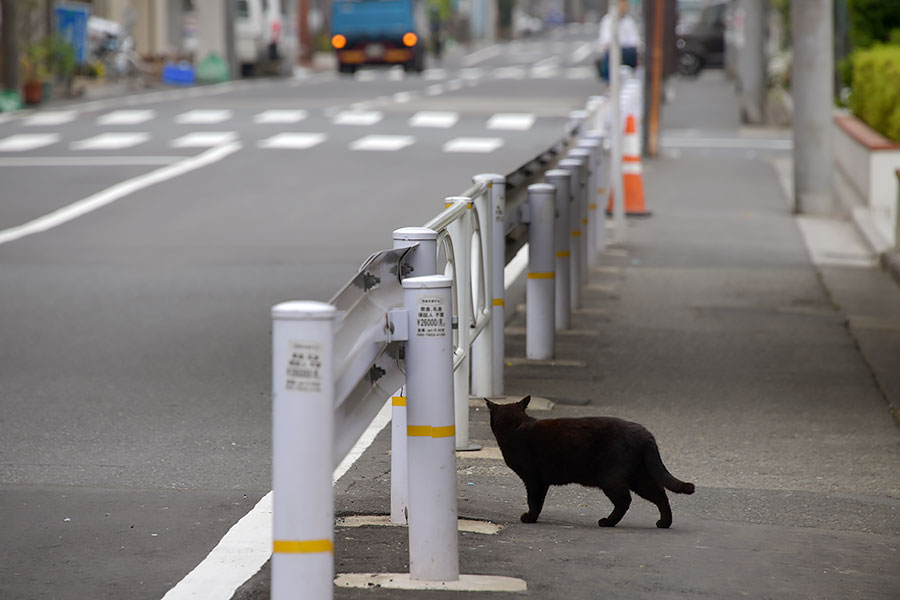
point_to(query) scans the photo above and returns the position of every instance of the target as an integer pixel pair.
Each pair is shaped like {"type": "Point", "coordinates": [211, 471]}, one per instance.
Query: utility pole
{"type": "Point", "coordinates": [752, 61]}
{"type": "Point", "coordinates": [812, 90]}
{"type": "Point", "coordinates": [11, 75]}
{"type": "Point", "coordinates": [615, 89]}
{"type": "Point", "coordinates": [303, 33]}
{"type": "Point", "coordinates": [656, 76]}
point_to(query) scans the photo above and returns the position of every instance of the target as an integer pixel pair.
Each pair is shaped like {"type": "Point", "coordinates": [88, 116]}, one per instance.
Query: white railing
{"type": "Point", "coordinates": [424, 313]}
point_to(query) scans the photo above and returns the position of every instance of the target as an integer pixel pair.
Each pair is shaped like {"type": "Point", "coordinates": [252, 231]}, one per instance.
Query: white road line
{"type": "Point", "coordinates": [582, 52]}
{"type": "Point", "coordinates": [481, 55]}
{"type": "Point", "coordinates": [111, 141]}
{"type": "Point", "coordinates": [389, 143]}
{"type": "Point", "coordinates": [509, 73]}
{"type": "Point", "coordinates": [292, 141]}
{"type": "Point", "coordinates": [583, 72]}
{"type": "Point", "coordinates": [435, 74]}
{"type": "Point", "coordinates": [204, 117]}
{"type": "Point", "coordinates": [126, 117]}
{"type": "Point", "coordinates": [511, 121]}
{"type": "Point", "coordinates": [248, 544]}
{"type": "Point", "coordinates": [434, 90]}
{"type": "Point", "coordinates": [357, 117]}
{"type": "Point", "coordinates": [442, 120]}
{"type": "Point", "coordinates": [203, 139]}
{"type": "Point", "coordinates": [88, 161]}
{"type": "Point", "coordinates": [116, 192]}
{"type": "Point", "coordinates": [22, 142]}
{"type": "Point", "coordinates": [478, 145]}
{"type": "Point", "coordinates": [52, 118]}
{"type": "Point", "coordinates": [268, 117]}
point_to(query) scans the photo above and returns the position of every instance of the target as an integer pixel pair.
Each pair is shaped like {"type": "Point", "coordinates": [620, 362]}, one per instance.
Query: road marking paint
{"type": "Point", "coordinates": [480, 145]}
{"type": "Point", "coordinates": [582, 52]}
{"type": "Point", "coordinates": [581, 73]}
{"type": "Point", "coordinates": [126, 117]}
{"type": "Point", "coordinates": [467, 525]}
{"type": "Point", "coordinates": [434, 90]}
{"type": "Point", "coordinates": [357, 117]}
{"type": "Point", "coordinates": [437, 119]}
{"type": "Point", "coordinates": [203, 139]}
{"type": "Point", "coordinates": [88, 161]}
{"type": "Point", "coordinates": [471, 73]}
{"type": "Point", "coordinates": [268, 117]}
{"type": "Point", "coordinates": [56, 117]}
{"type": "Point", "coordinates": [511, 121]}
{"type": "Point", "coordinates": [116, 192]}
{"type": "Point", "coordinates": [204, 117]}
{"type": "Point", "coordinates": [403, 97]}
{"type": "Point", "coordinates": [404, 581]}
{"type": "Point", "coordinates": [111, 141]}
{"type": "Point", "coordinates": [292, 141]}
{"type": "Point", "coordinates": [22, 142]}
{"type": "Point", "coordinates": [388, 143]}
{"type": "Point", "coordinates": [481, 55]}
{"type": "Point", "coordinates": [509, 73]}
{"type": "Point", "coordinates": [248, 544]}
{"type": "Point", "coordinates": [435, 74]}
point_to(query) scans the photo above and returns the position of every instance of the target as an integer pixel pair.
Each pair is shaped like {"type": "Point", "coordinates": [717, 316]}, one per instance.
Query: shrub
{"type": "Point", "coordinates": [871, 21]}
{"type": "Point", "coordinates": [876, 89]}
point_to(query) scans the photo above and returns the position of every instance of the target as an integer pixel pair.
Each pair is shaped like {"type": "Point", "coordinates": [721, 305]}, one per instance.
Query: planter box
{"type": "Point", "coordinates": [865, 180]}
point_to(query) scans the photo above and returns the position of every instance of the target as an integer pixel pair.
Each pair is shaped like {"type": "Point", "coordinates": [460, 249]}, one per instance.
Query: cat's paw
{"type": "Point", "coordinates": [663, 524]}
{"type": "Point", "coordinates": [604, 522]}
{"type": "Point", "coordinates": [527, 517]}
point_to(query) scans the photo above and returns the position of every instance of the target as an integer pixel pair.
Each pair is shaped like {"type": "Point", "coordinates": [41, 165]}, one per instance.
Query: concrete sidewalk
{"type": "Point", "coordinates": [767, 381]}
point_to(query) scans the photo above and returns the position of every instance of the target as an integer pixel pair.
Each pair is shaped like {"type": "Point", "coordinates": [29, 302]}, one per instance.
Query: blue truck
{"type": "Point", "coordinates": [379, 33]}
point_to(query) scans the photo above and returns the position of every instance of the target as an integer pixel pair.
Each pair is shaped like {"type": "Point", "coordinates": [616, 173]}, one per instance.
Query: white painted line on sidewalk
{"type": "Point", "coordinates": [126, 117]}
{"type": "Point", "coordinates": [22, 142]}
{"type": "Point", "coordinates": [111, 141]}
{"type": "Point", "coordinates": [388, 143]}
{"type": "Point", "coordinates": [52, 118]}
{"type": "Point", "coordinates": [292, 141]}
{"type": "Point", "coordinates": [117, 192]}
{"type": "Point", "coordinates": [475, 145]}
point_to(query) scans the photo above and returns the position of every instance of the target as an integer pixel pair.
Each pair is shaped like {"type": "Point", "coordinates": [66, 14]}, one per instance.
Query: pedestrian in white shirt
{"type": "Point", "coordinates": [629, 40]}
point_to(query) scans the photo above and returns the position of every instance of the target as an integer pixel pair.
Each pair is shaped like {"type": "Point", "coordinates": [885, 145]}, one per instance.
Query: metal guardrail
{"type": "Point", "coordinates": [440, 287]}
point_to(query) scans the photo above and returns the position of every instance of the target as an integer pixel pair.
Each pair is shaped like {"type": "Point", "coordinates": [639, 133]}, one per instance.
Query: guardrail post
{"type": "Point", "coordinates": [594, 244]}
{"type": "Point", "coordinates": [540, 289]}
{"type": "Point", "coordinates": [586, 177]}
{"type": "Point", "coordinates": [576, 239]}
{"type": "Point", "coordinates": [461, 235]}
{"type": "Point", "coordinates": [561, 179]}
{"type": "Point", "coordinates": [497, 260]}
{"type": "Point", "coordinates": [433, 544]}
{"type": "Point", "coordinates": [419, 262]}
{"type": "Point", "coordinates": [302, 464]}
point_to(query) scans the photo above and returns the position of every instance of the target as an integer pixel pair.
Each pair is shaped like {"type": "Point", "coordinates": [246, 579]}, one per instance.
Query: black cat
{"type": "Point", "coordinates": [611, 454]}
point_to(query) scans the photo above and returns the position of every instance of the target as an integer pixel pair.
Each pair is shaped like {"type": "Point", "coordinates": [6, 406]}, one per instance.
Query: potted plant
{"type": "Point", "coordinates": [34, 73]}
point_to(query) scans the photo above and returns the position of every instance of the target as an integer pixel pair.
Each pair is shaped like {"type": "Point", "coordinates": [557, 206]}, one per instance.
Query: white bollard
{"type": "Point", "coordinates": [302, 447]}
{"type": "Point", "coordinates": [561, 180]}
{"type": "Point", "coordinates": [419, 262]}
{"type": "Point", "coordinates": [592, 146]}
{"type": "Point", "coordinates": [433, 544]}
{"type": "Point", "coordinates": [579, 120]}
{"type": "Point", "coordinates": [576, 239]}
{"type": "Point", "coordinates": [602, 191]}
{"type": "Point", "coordinates": [497, 184]}
{"type": "Point", "coordinates": [540, 293]}
{"type": "Point", "coordinates": [584, 177]}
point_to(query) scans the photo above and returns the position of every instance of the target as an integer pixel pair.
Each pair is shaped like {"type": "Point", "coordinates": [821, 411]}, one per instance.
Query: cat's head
{"type": "Point", "coordinates": [512, 413]}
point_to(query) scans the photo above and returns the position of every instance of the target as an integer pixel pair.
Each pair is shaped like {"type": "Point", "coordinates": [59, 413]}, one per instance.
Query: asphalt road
{"type": "Point", "coordinates": [135, 338]}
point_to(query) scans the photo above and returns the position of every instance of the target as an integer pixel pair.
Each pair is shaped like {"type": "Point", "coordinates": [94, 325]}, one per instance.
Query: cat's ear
{"type": "Point", "coordinates": [524, 402]}
{"type": "Point", "coordinates": [490, 404]}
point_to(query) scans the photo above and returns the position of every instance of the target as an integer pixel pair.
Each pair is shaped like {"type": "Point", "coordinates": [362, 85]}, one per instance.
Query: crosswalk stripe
{"type": "Point", "coordinates": [203, 139]}
{"type": "Point", "coordinates": [357, 117]}
{"type": "Point", "coordinates": [442, 120]}
{"type": "Point", "coordinates": [383, 142]}
{"type": "Point", "coordinates": [511, 121]}
{"type": "Point", "coordinates": [292, 141]}
{"type": "Point", "coordinates": [475, 145]}
{"type": "Point", "coordinates": [111, 141]}
{"type": "Point", "coordinates": [126, 117]}
{"type": "Point", "coordinates": [27, 141]}
{"type": "Point", "coordinates": [203, 117]}
{"type": "Point", "coordinates": [279, 116]}
{"type": "Point", "coordinates": [51, 118]}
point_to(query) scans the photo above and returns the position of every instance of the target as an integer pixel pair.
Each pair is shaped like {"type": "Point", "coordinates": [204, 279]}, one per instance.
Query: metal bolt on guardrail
{"type": "Point", "coordinates": [540, 293]}
{"type": "Point", "coordinates": [561, 180]}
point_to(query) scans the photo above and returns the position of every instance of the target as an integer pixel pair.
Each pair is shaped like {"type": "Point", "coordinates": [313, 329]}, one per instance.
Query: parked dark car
{"type": "Point", "coordinates": [702, 43]}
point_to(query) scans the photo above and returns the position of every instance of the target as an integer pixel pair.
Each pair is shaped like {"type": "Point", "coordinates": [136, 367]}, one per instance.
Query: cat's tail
{"type": "Point", "coordinates": [661, 474]}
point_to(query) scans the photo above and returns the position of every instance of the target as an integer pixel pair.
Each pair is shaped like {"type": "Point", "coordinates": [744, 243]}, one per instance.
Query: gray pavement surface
{"type": "Point", "coordinates": [767, 381]}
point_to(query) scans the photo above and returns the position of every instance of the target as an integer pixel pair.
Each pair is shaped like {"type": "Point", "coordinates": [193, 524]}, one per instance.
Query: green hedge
{"type": "Point", "coordinates": [876, 89]}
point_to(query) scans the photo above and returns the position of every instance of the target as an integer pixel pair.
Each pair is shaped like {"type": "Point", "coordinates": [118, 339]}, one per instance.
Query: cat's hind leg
{"type": "Point", "coordinates": [621, 499]}
{"type": "Point", "coordinates": [649, 490]}
{"type": "Point", "coordinates": [536, 494]}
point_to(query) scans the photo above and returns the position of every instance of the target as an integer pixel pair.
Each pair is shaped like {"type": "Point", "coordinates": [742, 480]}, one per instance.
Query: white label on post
{"type": "Point", "coordinates": [431, 319]}
{"type": "Point", "coordinates": [304, 368]}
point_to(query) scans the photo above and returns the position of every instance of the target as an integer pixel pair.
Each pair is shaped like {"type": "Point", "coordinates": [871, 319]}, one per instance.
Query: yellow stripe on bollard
{"type": "Point", "coordinates": [429, 431]}
{"type": "Point", "coordinates": [542, 275]}
{"type": "Point", "coordinates": [563, 254]}
{"type": "Point", "coordinates": [398, 400]}
{"type": "Point", "coordinates": [302, 546]}
{"type": "Point", "coordinates": [576, 233]}
{"type": "Point", "coordinates": [499, 302]}
{"type": "Point", "coordinates": [443, 432]}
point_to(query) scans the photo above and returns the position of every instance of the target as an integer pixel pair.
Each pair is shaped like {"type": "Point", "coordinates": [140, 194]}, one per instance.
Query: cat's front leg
{"type": "Point", "coordinates": [536, 494]}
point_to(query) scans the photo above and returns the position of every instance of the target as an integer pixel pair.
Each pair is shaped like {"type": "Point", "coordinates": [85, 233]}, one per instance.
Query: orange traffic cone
{"type": "Point", "coordinates": [632, 173]}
